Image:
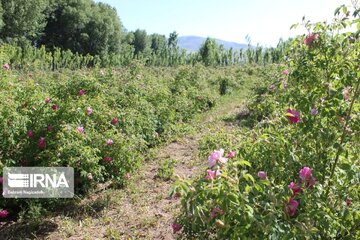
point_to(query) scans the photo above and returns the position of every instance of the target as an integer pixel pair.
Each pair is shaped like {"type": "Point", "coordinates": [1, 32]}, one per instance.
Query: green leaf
{"type": "Point", "coordinates": [248, 177]}
{"type": "Point", "coordinates": [244, 163]}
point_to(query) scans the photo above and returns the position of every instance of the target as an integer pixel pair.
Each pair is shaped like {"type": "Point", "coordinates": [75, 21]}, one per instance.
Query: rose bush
{"type": "Point", "coordinates": [101, 122]}
{"type": "Point", "coordinates": [296, 174]}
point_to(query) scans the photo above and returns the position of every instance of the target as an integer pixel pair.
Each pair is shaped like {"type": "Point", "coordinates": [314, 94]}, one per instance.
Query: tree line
{"type": "Point", "coordinates": [91, 30]}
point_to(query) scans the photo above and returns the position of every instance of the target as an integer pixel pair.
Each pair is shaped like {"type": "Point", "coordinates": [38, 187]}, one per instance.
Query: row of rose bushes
{"type": "Point", "coordinates": [101, 122]}
{"type": "Point", "coordinates": [296, 171]}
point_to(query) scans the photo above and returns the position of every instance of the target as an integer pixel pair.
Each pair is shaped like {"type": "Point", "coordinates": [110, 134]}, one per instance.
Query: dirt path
{"type": "Point", "coordinates": [144, 210]}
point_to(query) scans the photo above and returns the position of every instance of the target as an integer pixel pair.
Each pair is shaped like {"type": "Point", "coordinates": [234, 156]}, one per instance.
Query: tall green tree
{"type": "Point", "coordinates": [22, 19]}
{"type": "Point", "coordinates": [103, 32]}
{"type": "Point", "coordinates": [158, 43]}
{"type": "Point", "coordinates": [1, 16]}
{"type": "Point", "coordinates": [208, 52]}
{"type": "Point", "coordinates": [86, 27]}
{"type": "Point", "coordinates": [141, 42]}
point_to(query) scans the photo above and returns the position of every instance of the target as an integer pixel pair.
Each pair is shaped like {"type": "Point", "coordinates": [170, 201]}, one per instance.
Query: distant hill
{"type": "Point", "coordinates": [193, 43]}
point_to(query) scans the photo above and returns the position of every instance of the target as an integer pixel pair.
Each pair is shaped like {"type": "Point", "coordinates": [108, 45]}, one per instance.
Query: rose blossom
{"type": "Point", "coordinates": [293, 116]}
{"type": "Point", "coordinates": [262, 175]}
{"type": "Point", "coordinates": [295, 188]}
{"type": "Point", "coordinates": [231, 154]}
{"type": "Point", "coordinates": [4, 213]}
{"type": "Point", "coordinates": [291, 207]}
{"type": "Point", "coordinates": [216, 156]}
{"type": "Point", "coordinates": [81, 92]}
{"type": "Point", "coordinates": [114, 121]}
{"type": "Point", "coordinates": [176, 227]}
{"type": "Point", "coordinates": [89, 111]}
{"type": "Point", "coordinates": [41, 143]}
{"type": "Point", "coordinates": [55, 107]}
{"type": "Point", "coordinates": [30, 133]}
{"type": "Point", "coordinates": [108, 159]}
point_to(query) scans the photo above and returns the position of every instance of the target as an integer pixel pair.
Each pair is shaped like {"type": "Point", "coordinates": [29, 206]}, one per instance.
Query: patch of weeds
{"type": "Point", "coordinates": [112, 233]}
{"type": "Point", "coordinates": [166, 171]}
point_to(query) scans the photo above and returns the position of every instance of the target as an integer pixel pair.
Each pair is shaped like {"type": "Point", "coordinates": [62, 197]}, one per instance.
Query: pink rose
{"type": "Point", "coordinates": [80, 129]}
{"type": "Point", "coordinates": [55, 107]}
{"type": "Point", "coordinates": [6, 66]}
{"type": "Point", "coordinates": [109, 142]}
{"type": "Point", "coordinates": [293, 116]}
{"type": "Point", "coordinates": [295, 188]}
{"type": "Point", "coordinates": [314, 111]}
{"type": "Point", "coordinates": [114, 121]}
{"type": "Point", "coordinates": [216, 210]}
{"type": "Point", "coordinates": [310, 39]}
{"type": "Point", "coordinates": [231, 154]}
{"type": "Point", "coordinates": [81, 92]}
{"type": "Point", "coordinates": [89, 111]}
{"type": "Point", "coordinates": [176, 227]}
{"type": "Point", "coordinates": [4, 213]}
{"type": "Point", "coordinates": [286, 72]}
{"type": "Point", "coordinates": [216, 156]}
{"type": "Point", "coordinates": [210, 175]}
{"type": "Point", "coordinates": [47, 100]}
{"type": "Point", "coordinates": [41, 143]}
{"type": "Point", "coordinates": [108, 159]}
{"type": "Point", "coordinates": [305, 173]}
{"type": "Point", "coordinates": [30, 133]}
{"type": "Point", "coordinates": [262, 175]}
{"type": "Point", "coordinates": [291, 207]}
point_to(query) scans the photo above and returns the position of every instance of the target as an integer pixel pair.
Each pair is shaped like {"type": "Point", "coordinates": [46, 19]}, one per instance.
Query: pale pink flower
{"type": "Point", "coordinates": [80, 129]}
{"type": "Point", "coordinates": [218, 172]}
{"type": "Point", "coordinates": [6, 66]}
{"type": "Point", "coordinates": [89, 176]}
{"type": "Point", "coordinates": [314, 111]}
{"type": "Point", "coordinates": [211, 174]}
{"type": "Point", "coordinates": [47, 100]}
{"type": "Point", "coordinates": [286, 72]}
{"type": "Point", "coordinates": [231, 154]}
{"type": "Point", "coordinates": [262, 175]}
{"type": "Point", "coordinates": [89, 111]}
{"type": "Point", "coordinates": [109, 142]}
{"type": "Point", "coordinates": [216, 156]}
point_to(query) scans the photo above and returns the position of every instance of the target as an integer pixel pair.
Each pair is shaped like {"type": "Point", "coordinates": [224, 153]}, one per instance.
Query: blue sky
{"type": "Point", "coordinates": [265, 21]}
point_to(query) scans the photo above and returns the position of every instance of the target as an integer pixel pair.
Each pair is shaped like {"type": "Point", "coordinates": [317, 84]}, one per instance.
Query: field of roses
{"type": "Point", "coordinates": [102, 122]}
{"type": "Point", "coordinates": [292, 169]}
